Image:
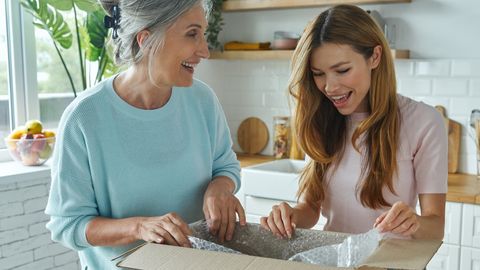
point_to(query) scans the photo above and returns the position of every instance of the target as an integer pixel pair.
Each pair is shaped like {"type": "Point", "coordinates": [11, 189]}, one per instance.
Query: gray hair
{"type": "Point", "coordinates": [154, 15]}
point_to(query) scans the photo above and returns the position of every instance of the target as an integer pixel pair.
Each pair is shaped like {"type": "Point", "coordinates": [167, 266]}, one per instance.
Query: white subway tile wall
{"type": "Point", "coordinates": [259, 88]}
{"type": "Point", "coordinates": [25, 243]}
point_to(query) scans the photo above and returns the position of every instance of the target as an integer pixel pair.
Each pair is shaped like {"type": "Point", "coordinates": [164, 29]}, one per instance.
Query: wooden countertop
{"type": "Point", "coordinates": [462, 188]}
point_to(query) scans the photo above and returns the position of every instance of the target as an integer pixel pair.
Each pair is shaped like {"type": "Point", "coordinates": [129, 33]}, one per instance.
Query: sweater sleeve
{"type": "Point", "coordinates": [71, 203]}
{"type": "Point", "coordinates": [225, 161]}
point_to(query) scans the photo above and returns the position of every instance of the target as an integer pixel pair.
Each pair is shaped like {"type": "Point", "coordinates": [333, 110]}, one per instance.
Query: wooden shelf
{"type": "Point", "coordinates": [252, 55]}
{"type": "Point", "coordinates": [245, 5]}
{"type": "Point", "coordinates": [278, 55]}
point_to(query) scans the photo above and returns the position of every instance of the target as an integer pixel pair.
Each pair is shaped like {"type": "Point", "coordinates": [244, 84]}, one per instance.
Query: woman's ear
{"type": "Point", "coordinates": [142, 37]}
{"type": "Point", "coordinates": [376, 57]}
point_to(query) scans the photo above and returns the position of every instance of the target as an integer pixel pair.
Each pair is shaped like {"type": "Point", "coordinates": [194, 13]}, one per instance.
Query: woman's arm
{"type": "Point", "coordinates": [306, 215]}
{"type": "Point", "coordinates": [221, 207]}
{"type": "Point", "coordinates": [430, 165]}
{"type": "Point", "coordinates": [402, 219]}
{"type": "Point", "coordinates": [432, 219]}
{"type": "Point", "coordinates": [169, 229]}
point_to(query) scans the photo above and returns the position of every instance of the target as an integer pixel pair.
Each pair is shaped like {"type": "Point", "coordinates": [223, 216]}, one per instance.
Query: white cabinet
{"type": "Point", "coordinates": [453, 223]}
{"type": "Point", "coordinates": [446, 258]}
{"type": "Point", "coordinates": [461, 244]}
{"type": "Point", "coordinates": [470, 258]}
{"type": "Point", "coordinates": [471, 226]}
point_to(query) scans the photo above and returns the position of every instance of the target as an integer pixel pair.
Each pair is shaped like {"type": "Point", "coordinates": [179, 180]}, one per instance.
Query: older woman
{"type": "Point", "coordinates": [145, 152]}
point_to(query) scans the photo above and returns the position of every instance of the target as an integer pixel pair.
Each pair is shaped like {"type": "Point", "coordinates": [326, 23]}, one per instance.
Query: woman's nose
{"type": "Point", "coordinates": [203, 51]}
{"type": "Point", "coordinates": [331, 85]}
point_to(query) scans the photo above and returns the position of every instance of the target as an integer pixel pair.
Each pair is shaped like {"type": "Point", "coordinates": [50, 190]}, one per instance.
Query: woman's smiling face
{"type": "Point", "coordinates": [343, 75]}
{"type": "Point", "coordinates": [184, 47]}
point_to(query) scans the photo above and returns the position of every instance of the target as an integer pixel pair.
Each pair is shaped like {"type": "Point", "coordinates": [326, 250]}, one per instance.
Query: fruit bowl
{"type": "Point", "coordinates": [30, 151]}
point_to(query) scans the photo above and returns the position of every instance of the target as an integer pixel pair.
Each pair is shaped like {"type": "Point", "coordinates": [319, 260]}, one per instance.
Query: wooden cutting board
{"type": "Point", "coordinates": [454, 130]}
{"type": "Point", "coordinates": [252, 135]}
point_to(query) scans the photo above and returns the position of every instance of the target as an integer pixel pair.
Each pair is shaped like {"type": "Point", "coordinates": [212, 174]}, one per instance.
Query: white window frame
{"type": "Point", "coordinates": [22, 67]}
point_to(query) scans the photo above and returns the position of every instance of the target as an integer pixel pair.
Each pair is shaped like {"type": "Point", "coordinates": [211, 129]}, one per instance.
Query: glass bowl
{"type": "Point", "coordinates": [30, 152]}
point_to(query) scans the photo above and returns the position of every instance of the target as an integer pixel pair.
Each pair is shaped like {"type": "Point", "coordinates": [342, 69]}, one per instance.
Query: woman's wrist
{"type": "Point", "coordinates": [305, 215]}
{"type": "Point", "coordinates": [135, 232]}
{"type": "Point", "coordinates": [222, 183]}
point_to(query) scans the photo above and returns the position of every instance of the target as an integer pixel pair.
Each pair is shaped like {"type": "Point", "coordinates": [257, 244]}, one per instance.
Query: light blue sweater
{"type": "Point", "coordinates": [114, 160]}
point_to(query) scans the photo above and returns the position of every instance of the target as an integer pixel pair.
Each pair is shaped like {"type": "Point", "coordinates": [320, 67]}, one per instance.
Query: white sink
{"type": "Point", "coordinates": [274, 180]}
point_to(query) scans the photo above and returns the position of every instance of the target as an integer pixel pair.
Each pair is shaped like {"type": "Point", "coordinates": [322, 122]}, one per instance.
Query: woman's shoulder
{"type": "Point", "coordinates": [415, 111]}
{"type": "Point", "coordinates": [200, 92]}
{"type": "Point", "coordinates": [82, 104]}
{"type": "Point", "coordinates": [418, 117]}
{"type": "Point", "coordinates": [202, 88]}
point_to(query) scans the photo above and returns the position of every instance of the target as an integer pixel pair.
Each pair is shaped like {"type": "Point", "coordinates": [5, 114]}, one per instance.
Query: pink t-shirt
{"type": "Point", "coordinates": [422, 168]}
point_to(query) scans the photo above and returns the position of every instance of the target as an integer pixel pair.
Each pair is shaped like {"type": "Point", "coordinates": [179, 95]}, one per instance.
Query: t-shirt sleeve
{"type": "Point", "coordinates": [431, 157]}
{"type": "Point", "coordinates": [71, 203]}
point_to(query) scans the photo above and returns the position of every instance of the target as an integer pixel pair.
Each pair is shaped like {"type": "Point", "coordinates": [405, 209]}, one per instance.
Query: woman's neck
{"type": "Point", "coordinates": [135, 87]}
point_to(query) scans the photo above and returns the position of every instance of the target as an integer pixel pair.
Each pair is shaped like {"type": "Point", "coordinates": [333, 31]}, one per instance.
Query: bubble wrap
{"type": "Point", "coordinates": [310, 246]}
{"type": "Point", "coordinates": [253, 240]}
{"type": "Point", "coordinates": [353, 250]}
{"type": "Point", "coordinates": [198, 243]}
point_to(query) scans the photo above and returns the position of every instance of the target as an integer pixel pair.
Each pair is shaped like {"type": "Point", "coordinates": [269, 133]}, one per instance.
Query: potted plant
{"type": "Point", "coordinates": [91, 35]}
{"type": "Point", "coordinates": [215, 25]}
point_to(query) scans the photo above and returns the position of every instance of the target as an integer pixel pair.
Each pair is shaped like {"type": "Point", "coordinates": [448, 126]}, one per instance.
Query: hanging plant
{"type": "Point", "coordinates": [215, 25]}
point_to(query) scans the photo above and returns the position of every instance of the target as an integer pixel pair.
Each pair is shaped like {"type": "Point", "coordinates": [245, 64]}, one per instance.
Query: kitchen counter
{"type": "Point", "coordinates": [462, 188]}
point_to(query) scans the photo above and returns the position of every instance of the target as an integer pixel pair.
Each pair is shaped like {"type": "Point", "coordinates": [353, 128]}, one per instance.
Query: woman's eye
{"type": "Point", "coordinates": [192, 34]}
{"type": "Point", "coordinates": [343, 70]}
{"type": "Point", "coordinates": [316, 74]}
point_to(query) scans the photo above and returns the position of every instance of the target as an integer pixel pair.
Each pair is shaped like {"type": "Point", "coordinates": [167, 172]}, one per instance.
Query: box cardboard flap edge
{"type": "Point", "coordinates": [403, 254]}
{"type": "Point", "coordinates": [392, 254]}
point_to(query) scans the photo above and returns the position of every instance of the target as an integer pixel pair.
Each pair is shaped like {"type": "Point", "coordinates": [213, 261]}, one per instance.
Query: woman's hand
{"type": "Point", "coordinates": [281, 221]}
{"type": "Point", "coordinates": [220, 207]}
{"type": "Point", "coordinates": [400, 219]}
{"type": "Point", "coordinates": [169, 229]}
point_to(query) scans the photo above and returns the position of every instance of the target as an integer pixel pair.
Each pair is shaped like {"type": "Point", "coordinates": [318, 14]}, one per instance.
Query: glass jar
{"type": "Point", "coordinates": [281, 137]}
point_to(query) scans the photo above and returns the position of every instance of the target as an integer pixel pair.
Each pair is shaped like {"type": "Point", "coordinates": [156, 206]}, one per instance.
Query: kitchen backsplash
{"type": "Point", "coordinates": [258, 88]}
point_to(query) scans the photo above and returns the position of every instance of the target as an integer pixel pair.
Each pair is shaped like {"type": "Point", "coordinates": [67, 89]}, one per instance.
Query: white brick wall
{"type": "Point", "coordinates": [258, 88]}
{"type": "Point", "coordinates": [25, 243]}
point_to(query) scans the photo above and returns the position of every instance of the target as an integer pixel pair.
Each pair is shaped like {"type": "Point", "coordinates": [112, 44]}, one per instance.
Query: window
{"type": "Point", "coordinates": [4, 92]}
{"type": "Point", "coordinates": [54, 88]}
{"type": "Point", "coordinates": [33, 81]}
{"type": "Point", "coordinates": [18, 95]}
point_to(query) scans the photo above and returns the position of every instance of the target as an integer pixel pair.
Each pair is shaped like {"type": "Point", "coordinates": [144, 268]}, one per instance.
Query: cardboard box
{"type": "Point", "coordinates": [390, 254]}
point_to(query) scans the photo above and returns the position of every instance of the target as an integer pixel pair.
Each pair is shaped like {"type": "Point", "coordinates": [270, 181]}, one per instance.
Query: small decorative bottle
{"type": "Point", "coordinates": [281, 138]}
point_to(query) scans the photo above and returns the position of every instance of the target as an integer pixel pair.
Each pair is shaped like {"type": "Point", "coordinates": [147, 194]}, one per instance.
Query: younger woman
{"type": "Point", "coordinates": [373, 153]}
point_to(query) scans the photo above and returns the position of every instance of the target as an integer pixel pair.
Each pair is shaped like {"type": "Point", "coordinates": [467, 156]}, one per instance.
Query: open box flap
{"type": "Point", "coordinates": [403, 254]}
{"type": "Point", "coordinates": [156, 257]}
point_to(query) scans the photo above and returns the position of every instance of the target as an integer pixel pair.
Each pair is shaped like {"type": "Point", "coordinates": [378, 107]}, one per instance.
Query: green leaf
{"type": "Point", "coordinates": [93, 53]}
{"type": "Point", "coordinates": [64, 5]}
{"type": "Point", "coordinates": [110, 69]}
{"type": "Point", "coordinates": [96, 29]}
{"type": "Point", "coordinates": [87, 5]}
{"type": "Point", "coordinates": [50, 20]}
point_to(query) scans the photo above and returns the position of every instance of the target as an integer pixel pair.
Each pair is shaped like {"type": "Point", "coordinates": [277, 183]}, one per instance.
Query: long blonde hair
{"type": "Point", "coordinates": [322, 131]}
